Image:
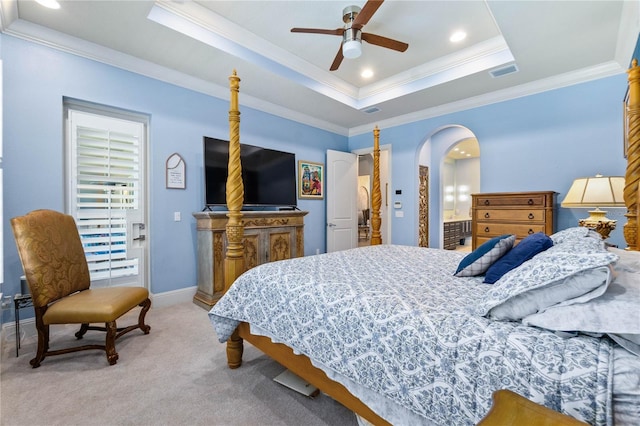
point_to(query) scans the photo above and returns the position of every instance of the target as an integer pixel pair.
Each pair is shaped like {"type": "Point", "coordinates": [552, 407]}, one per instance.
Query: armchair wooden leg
{"type": "Point", "coordinates": [83, 329]}
{"type": "Point", "coordinates": [43, 342]}
{"type": "Point", "coordinates": [145, 308]}
{"type": "Point", "coordinates": [110, 342]}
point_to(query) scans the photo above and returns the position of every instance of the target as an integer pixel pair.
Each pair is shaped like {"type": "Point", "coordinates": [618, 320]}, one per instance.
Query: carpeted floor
{"type": "Point", "coordinates": [176, 375]}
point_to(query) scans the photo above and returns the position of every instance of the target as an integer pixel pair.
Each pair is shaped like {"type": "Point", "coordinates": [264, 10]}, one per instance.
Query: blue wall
{"type": "Point", "coordinates": [36, 79]}
{"type": "Point", "coordinates": [539, 142]}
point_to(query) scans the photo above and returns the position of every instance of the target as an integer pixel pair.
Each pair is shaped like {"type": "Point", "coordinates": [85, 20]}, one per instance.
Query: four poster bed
{"type": "Point", "coordinates": [411, 335]}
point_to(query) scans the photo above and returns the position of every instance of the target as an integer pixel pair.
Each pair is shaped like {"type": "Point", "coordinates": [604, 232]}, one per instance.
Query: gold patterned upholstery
{"type": "Point", "coordinates": [57, 273]}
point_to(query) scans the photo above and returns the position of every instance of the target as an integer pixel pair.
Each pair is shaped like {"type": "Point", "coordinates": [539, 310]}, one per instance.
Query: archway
{"type": "Point", "coordinates": [452, 178]}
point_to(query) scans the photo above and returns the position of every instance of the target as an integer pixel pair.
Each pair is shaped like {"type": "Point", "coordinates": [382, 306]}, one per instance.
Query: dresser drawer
{"type": "Point", "coordinates": [490, 230]}
{"type": "Point", "coordinates": [482, 240]}
{"type": "Point", "coordinates": [513, 215]}
{"type": "Point", "coordinates": [539, 200]}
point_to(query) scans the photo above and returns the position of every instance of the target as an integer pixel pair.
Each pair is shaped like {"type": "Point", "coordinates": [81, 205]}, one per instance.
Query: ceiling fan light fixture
{"type": "Point", "coordinates": [352, 43]}
{"type": "Point", "coordinates": [351, 49]}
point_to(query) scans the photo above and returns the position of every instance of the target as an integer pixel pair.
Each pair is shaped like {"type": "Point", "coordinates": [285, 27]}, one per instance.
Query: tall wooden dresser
{"type": "Point", "coordinates": [519, 213]}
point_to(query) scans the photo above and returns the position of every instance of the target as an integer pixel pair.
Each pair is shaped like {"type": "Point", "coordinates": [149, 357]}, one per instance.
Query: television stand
{"type": "Point", "coordinates": [268, 236]}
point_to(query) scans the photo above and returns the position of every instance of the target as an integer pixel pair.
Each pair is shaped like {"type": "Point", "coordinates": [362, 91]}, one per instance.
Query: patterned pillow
{"type": "Point", "coordinates": [478, 261]}
{"type": "Point", "coordinates": [525, 250]}
{"type": "Point", "coordinates": [573, 234]}
{"type": "Point", "coordinates": [550, 280]}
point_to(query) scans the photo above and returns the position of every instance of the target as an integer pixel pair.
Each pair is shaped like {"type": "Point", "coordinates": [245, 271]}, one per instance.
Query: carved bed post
{"type": "Point", "coordinates": [234, 259]}
{"type": "Point", "coordinates": [376, 197]}
{"type": "Point", "coordinates": [632, 175]}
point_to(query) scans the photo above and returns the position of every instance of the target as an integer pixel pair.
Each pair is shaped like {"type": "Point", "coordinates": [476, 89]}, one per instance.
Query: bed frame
{"type": "Point", "coordinates": [234, 261]}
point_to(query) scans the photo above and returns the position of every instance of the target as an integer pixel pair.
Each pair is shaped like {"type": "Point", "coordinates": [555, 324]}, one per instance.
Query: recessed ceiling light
{"type": "Point", "coordinates": [457, 36]}
{"type": "Point", "coordinates": [366, 73]}
{"type": "Point", "coordinates": [51, 4]}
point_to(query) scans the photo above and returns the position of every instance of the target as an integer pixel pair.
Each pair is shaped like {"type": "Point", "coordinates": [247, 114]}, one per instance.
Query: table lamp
{"type": "Point", "coordinates": [595, 192]}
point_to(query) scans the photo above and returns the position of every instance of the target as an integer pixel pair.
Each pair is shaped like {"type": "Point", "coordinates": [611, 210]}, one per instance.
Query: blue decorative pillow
{"type": "Point", "coordinates": [478, 261]}
{"type": "Point", "coordinates": [525, 250]}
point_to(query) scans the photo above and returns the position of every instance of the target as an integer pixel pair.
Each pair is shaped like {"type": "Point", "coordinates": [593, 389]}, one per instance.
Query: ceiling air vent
{"type": "Point", "coordinates": [499, 72]}
{"type": "Point", "coordinates": [371, 110]}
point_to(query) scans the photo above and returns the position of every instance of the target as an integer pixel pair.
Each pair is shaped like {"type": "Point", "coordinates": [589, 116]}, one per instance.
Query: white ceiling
{"type": "Point", "coordinates": [197, 44]}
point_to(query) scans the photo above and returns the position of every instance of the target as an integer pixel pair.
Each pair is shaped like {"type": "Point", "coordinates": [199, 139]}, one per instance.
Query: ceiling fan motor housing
{"type": "Point", "coordinates": [352, 37]}
{"type": "Point", "coordinates": [349, 13]}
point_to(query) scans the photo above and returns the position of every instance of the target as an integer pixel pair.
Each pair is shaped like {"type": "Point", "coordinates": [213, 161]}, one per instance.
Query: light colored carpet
{"type": "Point", "coordinates": [176, 375]}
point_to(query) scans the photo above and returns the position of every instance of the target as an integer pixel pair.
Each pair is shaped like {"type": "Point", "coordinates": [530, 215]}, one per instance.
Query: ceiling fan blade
{"type": "Point", "coordinates": [338, 59]}
{"type": "Point", "coordinates": [366, 13]}
{"type": "Point", "coordinates": [384, 42]}
{"type": "Point", "coordinates": [337, 31]}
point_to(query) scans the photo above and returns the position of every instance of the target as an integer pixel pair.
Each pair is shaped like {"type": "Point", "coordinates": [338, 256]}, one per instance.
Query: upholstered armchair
{"type": "Point", "coordinates": [57, 273]}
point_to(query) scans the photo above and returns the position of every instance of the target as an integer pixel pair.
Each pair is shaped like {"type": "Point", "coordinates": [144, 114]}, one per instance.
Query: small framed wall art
{"type": "Point", "coordinates": [176, 172]}
{"type": "Point", "coordinates": [310, 180]}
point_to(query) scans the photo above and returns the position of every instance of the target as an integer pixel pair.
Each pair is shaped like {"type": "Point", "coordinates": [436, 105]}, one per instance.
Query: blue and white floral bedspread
{"type": "Point", "coordinates": [395, 320]}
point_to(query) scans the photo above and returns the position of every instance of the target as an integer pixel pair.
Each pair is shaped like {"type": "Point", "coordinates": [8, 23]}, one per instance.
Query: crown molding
{"type": "Point", "coordinates": [607, 69]}
{"type": "Point", "coordinates": [11, 25]}
{"type": "Point", "coordinates": [82, 48]}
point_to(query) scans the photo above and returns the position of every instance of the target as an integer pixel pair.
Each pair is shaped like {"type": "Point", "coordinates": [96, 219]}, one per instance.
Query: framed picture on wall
{"type": "Point", "coordinates": [310, 180]}
{"type": "Point", "coordinates": [176, 168]}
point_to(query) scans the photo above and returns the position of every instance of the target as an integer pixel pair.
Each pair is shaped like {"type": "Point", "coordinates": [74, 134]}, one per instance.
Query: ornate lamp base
{"type": "Point", "coordinates": [599, 222]}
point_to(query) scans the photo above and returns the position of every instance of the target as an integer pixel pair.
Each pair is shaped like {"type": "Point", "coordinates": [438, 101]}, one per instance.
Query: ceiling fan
{"type": "Point", "coordinates": [355, 19]}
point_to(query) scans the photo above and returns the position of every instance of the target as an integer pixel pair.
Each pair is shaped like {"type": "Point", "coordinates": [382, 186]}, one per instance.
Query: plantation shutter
{"type": "Point", "coordinates": [106, 189]}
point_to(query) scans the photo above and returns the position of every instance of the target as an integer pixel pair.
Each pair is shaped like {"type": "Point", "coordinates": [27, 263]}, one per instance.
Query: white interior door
{"type": "Point", "coordinates": [106, 195]}
{"type": "Point", "coordinates": [342, 199]}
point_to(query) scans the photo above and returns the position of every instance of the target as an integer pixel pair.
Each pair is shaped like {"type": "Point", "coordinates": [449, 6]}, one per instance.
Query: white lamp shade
{"type": "Point", "coordinates": [596, 191]}
{"type": "Point", "coordinates": [351, 49]}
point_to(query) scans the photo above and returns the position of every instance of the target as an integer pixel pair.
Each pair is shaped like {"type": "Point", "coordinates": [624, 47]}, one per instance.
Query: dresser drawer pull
{"type": "Point", "coordinates": [486, 229]}
{"type": "Point", "coordinates": [487, 202]}
{"type": "Point", "coordinates": [531, 231]}
{"type": "Point", "coordinates": [531, 216]}
{"type": "Point", "coordinates": [486, 215]}
{"type": "Point", "coordinates": [530, 202]}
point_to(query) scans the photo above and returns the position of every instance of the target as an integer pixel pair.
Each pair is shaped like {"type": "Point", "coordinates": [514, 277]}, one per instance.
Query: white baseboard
{"type": "Point", "coordinates": [168, 298]}
{"type": "Point", "coordinates": [28, 326]}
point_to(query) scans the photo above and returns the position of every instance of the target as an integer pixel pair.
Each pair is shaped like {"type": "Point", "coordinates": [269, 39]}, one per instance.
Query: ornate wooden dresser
{"type": "Point", "coordinates": [519, 213]}
{"type": "Point", "coordinates": [268, 236]}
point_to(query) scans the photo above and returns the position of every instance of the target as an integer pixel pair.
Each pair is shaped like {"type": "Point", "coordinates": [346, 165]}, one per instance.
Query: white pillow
{"type": "Point", "coordinates": [629, 260]}
{"type": "Point", "coordinates": [581, 286]}
{"type": "Point", "coordinates": [616, 312]}
{"type": "Point", "coordinates": [546, 280]}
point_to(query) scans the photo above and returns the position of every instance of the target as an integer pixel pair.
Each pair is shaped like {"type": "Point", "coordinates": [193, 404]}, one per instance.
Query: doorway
{"type": "Point", "coordinates": [342, 194]}
{"type": "Point", "coordinates": [460, 179]}
{"type": "Point", "coordinates": [448, 172]}
{"type": "Point", "coordinates": [365, 185]}
{"type": "Point", "coordinates": [106, 191]}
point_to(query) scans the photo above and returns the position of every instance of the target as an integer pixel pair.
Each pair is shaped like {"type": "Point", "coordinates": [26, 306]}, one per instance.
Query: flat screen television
{"type": "Point", "coordinates": [269, 176]}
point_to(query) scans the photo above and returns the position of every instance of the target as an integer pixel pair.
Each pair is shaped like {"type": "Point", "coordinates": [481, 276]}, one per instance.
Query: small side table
{"type": "Point", "coordinates": [19, 302]}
